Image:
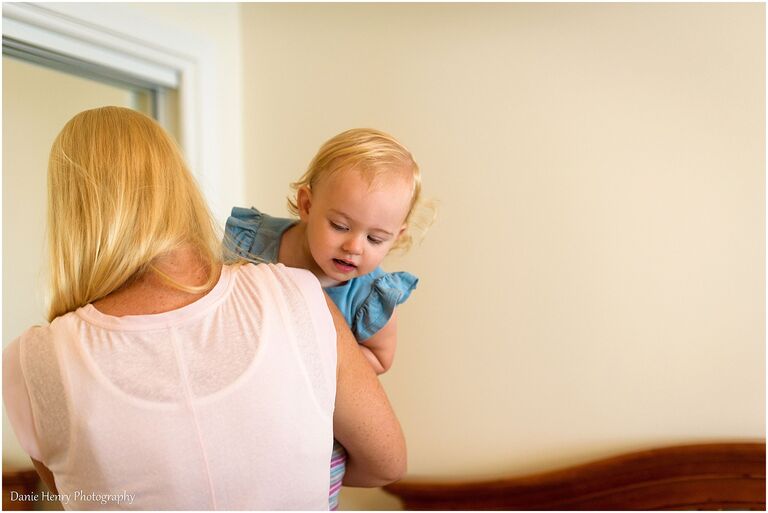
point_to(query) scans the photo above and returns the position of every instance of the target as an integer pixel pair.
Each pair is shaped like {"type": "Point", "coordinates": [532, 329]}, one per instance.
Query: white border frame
{"type": "Point", "coordinates": [121, 39]}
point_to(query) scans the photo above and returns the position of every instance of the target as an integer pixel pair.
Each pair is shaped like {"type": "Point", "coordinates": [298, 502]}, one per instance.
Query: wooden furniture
{"type": "Point", "coordinates": [702, 477]}
{"type": "Point", "coordinates": [25, 483]}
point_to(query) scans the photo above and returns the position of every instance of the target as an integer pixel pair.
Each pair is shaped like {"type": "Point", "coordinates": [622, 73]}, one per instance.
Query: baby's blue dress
{"type": "Point", "coordinates": [367, 302]}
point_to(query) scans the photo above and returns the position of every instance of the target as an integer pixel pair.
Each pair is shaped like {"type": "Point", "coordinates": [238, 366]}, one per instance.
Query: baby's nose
{"type": "Point", "coordinates": [353, 245]}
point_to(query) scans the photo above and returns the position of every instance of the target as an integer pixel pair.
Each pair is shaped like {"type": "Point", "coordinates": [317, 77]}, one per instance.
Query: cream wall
{"type": "Point", "coordinates": [595, 282]}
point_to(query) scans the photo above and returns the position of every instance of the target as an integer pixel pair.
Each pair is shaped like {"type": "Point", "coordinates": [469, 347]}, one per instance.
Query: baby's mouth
{"type": "Point", "coordinates": [346, 264]}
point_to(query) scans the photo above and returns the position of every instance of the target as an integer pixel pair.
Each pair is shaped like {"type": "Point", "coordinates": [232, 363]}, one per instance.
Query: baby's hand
{"type": "Point", "coordinates": [377, 365]}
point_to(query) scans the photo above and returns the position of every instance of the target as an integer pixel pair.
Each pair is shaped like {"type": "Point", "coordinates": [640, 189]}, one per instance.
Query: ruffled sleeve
{"type": "Point", "coordinates": [387, 292]}
{"type": "Point", "coordinates": [253, 235]}
{"type": "Point", "coordinates": [368, 302]}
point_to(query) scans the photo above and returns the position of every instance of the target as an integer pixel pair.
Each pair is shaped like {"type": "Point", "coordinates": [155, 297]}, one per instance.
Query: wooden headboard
{"type": "Point", "coordinates": [707, 476]}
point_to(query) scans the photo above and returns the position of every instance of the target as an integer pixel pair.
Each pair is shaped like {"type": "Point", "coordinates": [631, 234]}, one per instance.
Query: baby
{"type": "Point", "coordinates": [354, 204]}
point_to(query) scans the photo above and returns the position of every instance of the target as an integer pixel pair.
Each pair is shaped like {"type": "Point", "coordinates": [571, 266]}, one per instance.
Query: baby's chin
{"type": "Point", "coordinates": [330, 278]}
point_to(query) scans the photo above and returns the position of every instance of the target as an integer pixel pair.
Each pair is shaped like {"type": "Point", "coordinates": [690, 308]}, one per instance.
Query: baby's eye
{"type": "Point", "coordinates": [375, 241]}
{"type": "Point", "coordinates": [338, 227]}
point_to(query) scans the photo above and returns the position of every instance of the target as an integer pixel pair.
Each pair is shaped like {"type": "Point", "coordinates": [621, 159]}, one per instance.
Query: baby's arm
{"type": "Point", "coordinates": [379, 349]}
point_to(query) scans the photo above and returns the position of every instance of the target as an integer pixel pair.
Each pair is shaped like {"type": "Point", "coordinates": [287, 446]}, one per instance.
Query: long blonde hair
{"type": "Point", "coordinates": [119, 196]}
{"type": "Point", "coordinates": [373, 153]}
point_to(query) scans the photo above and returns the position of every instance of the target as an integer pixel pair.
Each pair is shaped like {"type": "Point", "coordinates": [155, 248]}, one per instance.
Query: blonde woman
{"type": "Point", "coordinates": [166, 378]}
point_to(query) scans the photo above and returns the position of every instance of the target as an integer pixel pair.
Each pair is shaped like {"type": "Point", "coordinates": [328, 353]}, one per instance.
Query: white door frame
{"type": "Point", "coordinates": [119, 38]}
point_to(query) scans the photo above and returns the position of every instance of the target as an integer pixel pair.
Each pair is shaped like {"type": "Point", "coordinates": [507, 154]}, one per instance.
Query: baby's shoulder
{"type": "Point", "coordinates": [382, 279]}
{"type": "Point", "coordinates": [254, 221]}
{"type": "Point", "coordinates": [244, 218]}
{"type": "Point", "coordinates": [254, 235]}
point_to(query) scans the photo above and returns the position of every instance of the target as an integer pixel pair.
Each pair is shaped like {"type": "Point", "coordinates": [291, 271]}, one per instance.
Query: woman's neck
{"type": "Point", "coordinates": [151, 294]}
{"type": "Point", "coordinates": [184, 265]}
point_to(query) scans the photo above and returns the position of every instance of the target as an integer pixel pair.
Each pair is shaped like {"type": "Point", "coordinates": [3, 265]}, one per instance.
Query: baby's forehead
{"type": "Point", "coordinates": [379, 176]}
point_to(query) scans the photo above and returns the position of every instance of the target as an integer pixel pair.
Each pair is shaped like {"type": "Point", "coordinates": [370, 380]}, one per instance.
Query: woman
{"type": "Point", "coordinates": [167, 379]}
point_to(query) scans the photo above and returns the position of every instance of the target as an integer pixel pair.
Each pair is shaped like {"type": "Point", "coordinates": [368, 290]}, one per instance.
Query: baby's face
{"type": "Point", "coordinates": [352, 225]}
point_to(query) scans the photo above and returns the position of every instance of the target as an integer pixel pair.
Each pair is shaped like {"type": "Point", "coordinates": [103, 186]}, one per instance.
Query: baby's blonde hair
{"type": "Point", "coordinates": [371, 152]}
{"type": "Point", "coordinates": [119, 196]}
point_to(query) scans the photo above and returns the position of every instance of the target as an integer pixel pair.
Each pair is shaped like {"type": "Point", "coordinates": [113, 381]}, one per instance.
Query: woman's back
{"type": "Point", "coordinates": [136, 403]}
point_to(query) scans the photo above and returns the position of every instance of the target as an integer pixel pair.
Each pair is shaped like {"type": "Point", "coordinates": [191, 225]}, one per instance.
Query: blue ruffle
{"type": "Point", "coordinates": [253, 235]}
{"type": "Point", "coordinates": [387, 292]}
{"type": "Point", "coordinates": [367, 302]}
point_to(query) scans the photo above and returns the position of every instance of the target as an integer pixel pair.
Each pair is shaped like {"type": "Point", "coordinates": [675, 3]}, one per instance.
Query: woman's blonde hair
{"type": "Point", "coordinates": [374, 154]}
{"type": "Point", "coordinates": [119, 197]}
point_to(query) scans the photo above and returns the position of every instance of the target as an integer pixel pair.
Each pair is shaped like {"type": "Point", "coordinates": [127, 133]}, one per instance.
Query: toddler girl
{"type": "Point", "coordinates": [354, 204]}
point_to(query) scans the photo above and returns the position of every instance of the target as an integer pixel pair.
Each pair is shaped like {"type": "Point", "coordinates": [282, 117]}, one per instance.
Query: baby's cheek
{"type": "Point", "coordinates": [379, 256]}
{"type": "Point", "coordinates": [320, 238]}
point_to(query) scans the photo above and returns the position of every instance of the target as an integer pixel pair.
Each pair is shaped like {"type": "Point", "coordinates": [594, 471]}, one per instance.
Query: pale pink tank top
{"type": "Point", "coordinates": [226, 403]}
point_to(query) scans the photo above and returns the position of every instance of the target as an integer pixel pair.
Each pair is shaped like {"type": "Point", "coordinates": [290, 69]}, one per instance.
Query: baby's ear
{"type": "Point", "coordinates": [402, 230]}
{"type": "Point", "coordinates": [304, 201]}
